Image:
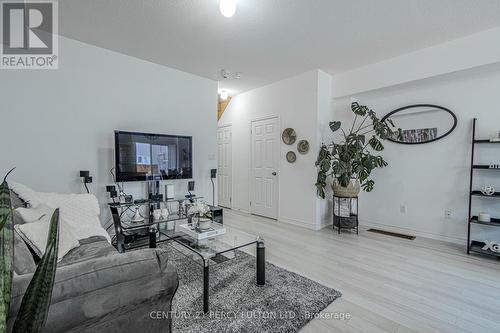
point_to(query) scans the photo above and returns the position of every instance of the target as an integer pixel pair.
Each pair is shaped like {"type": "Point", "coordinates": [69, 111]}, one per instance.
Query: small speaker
{"type": "Point", "coordinates": [213, 173]}
{"type": "Point", "coordinates": [191, 186]}
{"type": "Point", "coordinates": [110, 188]}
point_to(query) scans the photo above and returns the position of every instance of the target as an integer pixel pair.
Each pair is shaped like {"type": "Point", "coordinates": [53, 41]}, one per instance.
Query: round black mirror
{"type": "Point", "coordinates": [421, 123]}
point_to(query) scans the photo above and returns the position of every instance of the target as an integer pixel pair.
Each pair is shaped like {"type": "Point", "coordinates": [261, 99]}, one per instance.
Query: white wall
{"type": "Point", "coordinates": [472, 51]}
{"type": "Point", "coordinates": [432, 177]}
{"type": "Point", "coordinates": [295, 101]}
{"type": "Point", "coordinates": [57, 122]}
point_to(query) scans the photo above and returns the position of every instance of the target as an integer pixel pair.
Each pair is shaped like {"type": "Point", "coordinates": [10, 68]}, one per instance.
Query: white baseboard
{"type": "Point", "coordinates": [412, 232]}
{"type": "Point", "coordinates": [299, 223]}
{"type": "Point", "coordinates": [239, 210]}
{"type": "Point", "coordinates": [324, 225]}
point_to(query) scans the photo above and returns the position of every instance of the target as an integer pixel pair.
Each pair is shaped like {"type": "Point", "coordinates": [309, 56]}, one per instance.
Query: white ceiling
{"type": "Point", "coordinates": [268, 40]}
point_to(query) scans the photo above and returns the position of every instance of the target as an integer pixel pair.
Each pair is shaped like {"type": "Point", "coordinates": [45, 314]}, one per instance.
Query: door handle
{"type": "Point", "coordinates": [274, 173]}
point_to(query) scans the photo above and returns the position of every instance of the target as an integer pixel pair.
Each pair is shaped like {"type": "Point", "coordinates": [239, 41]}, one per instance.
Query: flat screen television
{"type": "Point", "coordinates": [145, 156]}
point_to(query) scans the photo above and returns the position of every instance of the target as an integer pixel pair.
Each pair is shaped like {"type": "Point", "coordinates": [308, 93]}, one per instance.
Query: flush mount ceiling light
{"type": "Point", "coordinates": [223, 95]}
{"type": "Point", "coordinates": [227, 7]}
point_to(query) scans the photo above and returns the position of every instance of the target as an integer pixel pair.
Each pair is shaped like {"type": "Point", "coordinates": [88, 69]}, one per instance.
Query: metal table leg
{"type": "Point", "coordinates": [206, 285]}
{"type": "Point", "coordinates": [152, 237]}
{"type": "Point", "coordinates": [261, 262]}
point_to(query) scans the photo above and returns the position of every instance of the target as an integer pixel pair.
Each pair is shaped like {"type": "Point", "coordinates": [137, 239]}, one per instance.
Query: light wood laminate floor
{"type": "Point", "coordinates": [388, 284]}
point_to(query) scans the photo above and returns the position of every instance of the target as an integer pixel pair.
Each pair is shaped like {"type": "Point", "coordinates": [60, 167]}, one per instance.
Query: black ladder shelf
{"type": "Point", "coordinates": [474, 245]}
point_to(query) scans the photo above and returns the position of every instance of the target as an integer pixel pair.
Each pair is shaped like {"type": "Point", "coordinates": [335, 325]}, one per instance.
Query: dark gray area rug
{"type": "Point", "coordinates": [286, 303]}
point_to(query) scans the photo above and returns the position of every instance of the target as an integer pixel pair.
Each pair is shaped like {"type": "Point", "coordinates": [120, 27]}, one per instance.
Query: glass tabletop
{"type": "Point", "coordinates": [128, 224]}
{"type": "Point", "coordinates": [216, 248]}
{"type": "Point", "coordinates": [145, 202]}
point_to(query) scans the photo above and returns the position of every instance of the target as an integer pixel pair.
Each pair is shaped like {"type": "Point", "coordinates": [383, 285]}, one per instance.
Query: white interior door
{"type": "Point", "coordinates": [224, 166]}
{"type": "Point", "coordinates": [264, 170]}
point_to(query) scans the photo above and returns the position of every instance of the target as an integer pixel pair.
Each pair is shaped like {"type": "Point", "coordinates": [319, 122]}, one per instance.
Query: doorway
{"type": "Point", "coordinates": [224, 166]}
{"type": "Point", "coordinates": [265, 154]}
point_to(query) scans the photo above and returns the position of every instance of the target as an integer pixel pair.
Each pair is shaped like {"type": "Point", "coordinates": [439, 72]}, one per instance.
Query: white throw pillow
{"type": "Point", "coordinates": [27, 194]}
{"type": "Point", "coordinates": [35, 230]}
{"type": "Point", "coordinates": [80, 211]}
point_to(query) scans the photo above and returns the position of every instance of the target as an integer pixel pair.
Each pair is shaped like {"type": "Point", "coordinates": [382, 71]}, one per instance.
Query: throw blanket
{"type": "Point", "coordinates": [80, 211]}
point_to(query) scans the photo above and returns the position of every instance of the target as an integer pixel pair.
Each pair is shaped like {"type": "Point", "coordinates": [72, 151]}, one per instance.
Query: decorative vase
{"type": "Point", "coordinates": [204, 223]}
{"type": "Point", "coordinates": [350, 191]}
{"type": "Point", "coordinates": [165, 213]}
{"type": "Point", "coordinates": [170, 225]}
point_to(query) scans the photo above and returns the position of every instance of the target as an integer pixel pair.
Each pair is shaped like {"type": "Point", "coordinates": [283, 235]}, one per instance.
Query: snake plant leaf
{"type": "Point", "coordinates": [6, 251]}
{"type": "Point", "coordinates": [32, 314]}
{"type": "Point", "coordinates": [7, 254]}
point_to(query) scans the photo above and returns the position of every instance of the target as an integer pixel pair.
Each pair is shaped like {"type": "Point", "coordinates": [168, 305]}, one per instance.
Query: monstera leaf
{"type": "Point", "coordinates": [7, 252]}
{"type": "Point", "coordinates": [32, 315]}
{"type": "Point", "coordinates": [358, 109]}
{"type": "Point", "coordinates": [335, 125]}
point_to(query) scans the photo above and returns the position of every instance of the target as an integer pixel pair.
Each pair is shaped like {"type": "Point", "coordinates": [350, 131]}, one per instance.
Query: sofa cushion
{"type": "Point", "coordinates": [87, 292]}
{"type": "Point", "coordinates": [89, 249]}
{"type": "Point", "coordinates": [35, 229]}
{"type": "Point", "coordinates": [23, 259]}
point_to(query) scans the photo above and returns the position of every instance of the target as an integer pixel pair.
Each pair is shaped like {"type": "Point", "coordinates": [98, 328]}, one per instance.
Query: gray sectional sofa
{"type": "Point", "coordinates": [98, 289]}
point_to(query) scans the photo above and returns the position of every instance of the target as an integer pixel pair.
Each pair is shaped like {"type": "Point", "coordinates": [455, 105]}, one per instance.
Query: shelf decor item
{"type": "Point", "coordinates": [164, 213]}
{"type": "Point", "coordinates": [484, 217]}
{"type": "Point", "coordinates": [137, 216]}
{"type": "Point", "coordinates": [491, 246]}
{"type": "Point", "coordinates": [303, 147]}
{"type": "Point", "coordinates": [348, 160]}
{"type": "Point", "coordinates": [488, 190]}
{"type": "Point", "coordinates": [289, 136]}
{"type": "Point", "coordinates": [291, 157]}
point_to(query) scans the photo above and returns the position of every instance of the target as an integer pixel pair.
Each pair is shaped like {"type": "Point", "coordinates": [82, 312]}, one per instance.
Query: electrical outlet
{"type": "Point", "coordinates": [447, 213]}
{"type": "Point", "coordinates": [403, 209]}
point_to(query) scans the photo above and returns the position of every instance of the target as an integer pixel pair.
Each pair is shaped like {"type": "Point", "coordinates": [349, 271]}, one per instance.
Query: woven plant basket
{"type": "Point", "coordinates": [351, 191]}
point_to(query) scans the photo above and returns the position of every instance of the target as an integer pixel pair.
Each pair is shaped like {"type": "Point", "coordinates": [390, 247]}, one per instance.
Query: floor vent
{"type": "Point", "coordinates": [393, 234]}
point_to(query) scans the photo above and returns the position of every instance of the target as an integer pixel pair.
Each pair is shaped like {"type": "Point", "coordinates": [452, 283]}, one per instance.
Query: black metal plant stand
{"type": "Point", "coordinates": [345, 222]}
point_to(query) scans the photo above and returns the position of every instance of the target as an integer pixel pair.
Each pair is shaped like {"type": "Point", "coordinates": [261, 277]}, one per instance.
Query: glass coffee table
{"type": "Point", "coordinates": [214, 250]}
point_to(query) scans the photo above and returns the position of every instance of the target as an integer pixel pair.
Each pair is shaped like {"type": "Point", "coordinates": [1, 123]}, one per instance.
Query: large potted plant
{"type": "Point", "coordinates": [351, 160]}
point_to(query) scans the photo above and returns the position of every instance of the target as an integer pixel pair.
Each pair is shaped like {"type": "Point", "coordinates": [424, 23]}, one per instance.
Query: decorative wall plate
{"type": "Point", "coordinates": [291, 157]}
{"type": "Point", "coordinates": [289, 136]}
{"type": "Point", "coordinates": [303, 146]}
